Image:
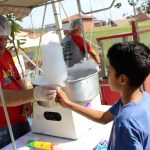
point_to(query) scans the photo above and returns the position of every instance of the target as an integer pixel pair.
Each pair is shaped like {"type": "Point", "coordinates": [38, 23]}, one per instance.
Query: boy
{"type": "Point", "coordinates": [129, 65]}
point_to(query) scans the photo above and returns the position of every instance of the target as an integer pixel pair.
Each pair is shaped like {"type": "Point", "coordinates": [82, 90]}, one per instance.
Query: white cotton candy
{"type": "Point", "coordinates": [53, 64]}
{"type": "Point", "coordinates": [82, 70]}
{"type": "Point", "coordinates": [84, 65]}
{"type": "Point", "coordinates": [50, 36]}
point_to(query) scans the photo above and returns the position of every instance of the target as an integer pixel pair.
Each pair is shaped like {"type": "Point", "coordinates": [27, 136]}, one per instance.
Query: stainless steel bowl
{"type": "Point", "coordinates": [44, 103]}
{"type": "Point", "coordinates": [50, 103]}
{"type": "Point", "coordinates": [82, 85]}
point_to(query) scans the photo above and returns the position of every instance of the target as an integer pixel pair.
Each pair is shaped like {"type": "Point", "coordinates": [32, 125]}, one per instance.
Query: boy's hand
{"type": "Point", "coordinates": [44, 93]}
{"type": "Point", "coordinates": [62, 98]}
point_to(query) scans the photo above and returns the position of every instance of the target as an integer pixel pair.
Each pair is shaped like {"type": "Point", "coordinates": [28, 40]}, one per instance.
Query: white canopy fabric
{"type": "Point", "coordinates": [21, 8]}
{"type": "Point", "coordinates": [19, 13]}
{"type": "Point", "coordinates": [46, 38]}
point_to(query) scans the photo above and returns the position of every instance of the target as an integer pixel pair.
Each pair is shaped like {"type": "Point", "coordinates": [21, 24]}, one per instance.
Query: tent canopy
{"type": "Point", "coordinates": [21, 8]}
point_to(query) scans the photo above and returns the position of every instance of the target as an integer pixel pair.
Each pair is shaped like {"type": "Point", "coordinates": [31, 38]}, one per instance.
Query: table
{"type": "Point", "coordinates": [87, 141]}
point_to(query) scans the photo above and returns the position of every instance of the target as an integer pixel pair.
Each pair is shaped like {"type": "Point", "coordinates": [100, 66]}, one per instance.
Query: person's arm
{"type": "Point", "coordinates": [27, 108]}
{"type": "Point", "coordinates": [95, 115]}
{"type": "Point", "coordinates": [92, 53]}
{"type": "Point", "coordinates": [21, 83]}
{"type": "Point", "coordinates": [19, 97]}
{"type": "Point", "coordinates": [95, 56]}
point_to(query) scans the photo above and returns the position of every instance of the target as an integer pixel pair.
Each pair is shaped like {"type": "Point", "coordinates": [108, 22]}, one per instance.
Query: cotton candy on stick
{"type": "Point", "coordinates": [53, 64]}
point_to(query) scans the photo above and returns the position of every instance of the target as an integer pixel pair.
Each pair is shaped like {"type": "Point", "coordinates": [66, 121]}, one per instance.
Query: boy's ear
{"type": "Point", "coordinates": [123, 79]}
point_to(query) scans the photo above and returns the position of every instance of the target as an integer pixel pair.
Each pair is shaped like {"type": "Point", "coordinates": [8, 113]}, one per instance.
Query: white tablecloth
{"type": "Point", "coordinates": [87, 141]}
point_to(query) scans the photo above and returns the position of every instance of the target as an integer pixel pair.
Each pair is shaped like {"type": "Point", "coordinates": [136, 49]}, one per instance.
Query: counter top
{"type": "Point", "coordinates": [97, 133]}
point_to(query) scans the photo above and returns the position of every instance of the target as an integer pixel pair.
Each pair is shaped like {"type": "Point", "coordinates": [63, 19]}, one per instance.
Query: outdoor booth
{"type": "Point", "coordinates": [51, 122]}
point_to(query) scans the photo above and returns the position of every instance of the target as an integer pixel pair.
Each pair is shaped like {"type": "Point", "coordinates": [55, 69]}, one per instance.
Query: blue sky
{"type": "Point", "coordinates": [71, 9]}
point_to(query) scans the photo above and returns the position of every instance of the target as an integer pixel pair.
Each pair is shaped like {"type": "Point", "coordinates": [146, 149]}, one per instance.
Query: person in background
{"type": "Point", "coordinates": [129, 65]}
{"type": "Point", "coordinates": [73, 46]}
{"type": "Point", "coordinates": [16, 96]}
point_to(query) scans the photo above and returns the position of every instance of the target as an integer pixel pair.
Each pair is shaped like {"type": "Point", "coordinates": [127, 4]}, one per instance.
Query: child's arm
{"type": "Point", "coordinates": [95, 115]}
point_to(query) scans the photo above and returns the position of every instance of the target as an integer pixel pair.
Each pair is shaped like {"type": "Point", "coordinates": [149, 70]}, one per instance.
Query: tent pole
{"type": "Point", "coordinates": [7, 117]}
{"type": "Point", "coordinates": [82, 29]}
{"type": "Point", "coordinates": [65, 12]}
{"type": "Point", "coordinates": [58, 21]}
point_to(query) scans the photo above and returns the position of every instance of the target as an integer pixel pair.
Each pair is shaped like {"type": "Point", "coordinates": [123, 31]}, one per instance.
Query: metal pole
{"type": "Point", "coordinates": [104, 11]}
{"type": "Point", "coordinates": [65, 11]}
{"type": "Point", "coordinates": [102, 58]}
{"type": "Point", "coordinates": [58, 21]}
{"type": "Point", "coordinates": [136, 25]}
{"type": "Point", "coordinates": [40, 40]}
{"type": "Point", "coordinates": [110, 16]}
{"type": "Point", "coordinates": [134, 31]}
{"type": "Point", "coordinates": [91, 32]}
{"type": "Point", "coordinates": [7, 117]}
{"type": "Point", "coordinates": [32, 25]}
{"type": "Point", "coordinates": [30, 60]}
{"type": "Point", "coordinates": [82, 29]}
{"type": "Point", "coordinates": [96, 10]}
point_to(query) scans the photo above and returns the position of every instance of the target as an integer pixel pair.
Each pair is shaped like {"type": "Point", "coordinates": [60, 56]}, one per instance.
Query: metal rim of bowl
{"type": "Point", "coordinates": [76, 80]}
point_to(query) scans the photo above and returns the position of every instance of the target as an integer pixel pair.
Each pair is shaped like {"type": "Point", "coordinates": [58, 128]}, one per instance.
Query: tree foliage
{"type": "Point", "coordinates": [142, 6]}
{"type": "Point", "coordinates": [118, 5]}
{"type": "Point", "coordinates": [15, 44]}
{"type": "Point", "coordinates": [133, 2]}
{"type": "Point", "coordinates": [15, 28]}
{"type": "Point", "coordinates": [145, 6]}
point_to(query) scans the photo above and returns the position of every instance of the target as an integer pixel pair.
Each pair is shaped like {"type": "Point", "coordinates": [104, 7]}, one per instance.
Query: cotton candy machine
{"type": "Point", "coordinates": [80, 83]}
{"type": "Point", "coordinates": [81, 86]}
{"type": "Point", "coordinates": [50, 118]}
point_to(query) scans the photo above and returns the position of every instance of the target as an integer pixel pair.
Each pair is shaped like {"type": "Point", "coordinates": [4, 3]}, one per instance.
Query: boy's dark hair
{"type": "Point", "coordinates": [131, 59]}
